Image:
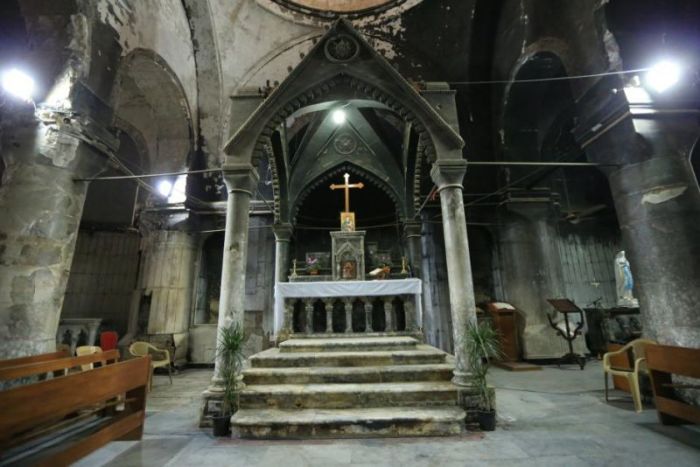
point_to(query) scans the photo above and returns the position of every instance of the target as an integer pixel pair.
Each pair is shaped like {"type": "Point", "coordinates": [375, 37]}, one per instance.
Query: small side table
{"type": "Point", "coordinates": [567, 307]}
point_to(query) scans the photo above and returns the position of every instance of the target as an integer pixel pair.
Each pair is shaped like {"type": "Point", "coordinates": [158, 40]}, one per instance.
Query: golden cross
{"type": "Point", "coordinates": [347, 187]}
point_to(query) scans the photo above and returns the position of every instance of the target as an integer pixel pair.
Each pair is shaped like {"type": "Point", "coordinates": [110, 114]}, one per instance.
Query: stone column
{"type": "Point", "coordinates": [412, 231]}
{"type": "Point", "coordinates": [368, 314]}
{"type": "Point", "coordinates": [389, 324]}
{"type": "Point", "coordinates": [348, 315]}
{"type": "Point", "coordinates": [283, 235]}
{"type": "Point", "coordinates": [531, 272]}
{"type": "Point", "coordinates": [328, 305]}
{"type": "Point", "coordinates": [309, 308]}
{"type": "Point", "coordinates": [240, 181]}
{"type": "Point", "coordinates": [448, 176]}
{"type": "Point", "coordinates": [41, 204]}
{"type": "Point", "coordinates": [658, 208]}
{"type": "Point", "coordinates": [657, 202]}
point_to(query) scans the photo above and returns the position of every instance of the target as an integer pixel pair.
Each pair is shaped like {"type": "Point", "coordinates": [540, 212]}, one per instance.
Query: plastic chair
{"type": "Point", "coordinates": [87, 350]}
{"type": "Point", "coordinates": [637, 348]}
{"type": "Point", "coordinates": [109, 340]}
{"type": "Point", "coordinates": [141, 349]}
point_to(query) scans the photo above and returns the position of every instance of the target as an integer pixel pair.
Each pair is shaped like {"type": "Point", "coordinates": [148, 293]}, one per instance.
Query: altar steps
{"type": "Point", "coordinates": [274, 358]}
{"type": "Point", "coordinates": [349, 423]}
{"type": "Point", "coordinates": [362, 374]}
{"type": "Point", "coordinates": [349, 387]}
{"type": "Point", "coordinates": [348, 344]}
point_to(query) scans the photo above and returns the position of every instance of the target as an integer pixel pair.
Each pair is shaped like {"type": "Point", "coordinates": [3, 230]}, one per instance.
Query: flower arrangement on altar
{"type": "Point", "coordinates": [312, 265]}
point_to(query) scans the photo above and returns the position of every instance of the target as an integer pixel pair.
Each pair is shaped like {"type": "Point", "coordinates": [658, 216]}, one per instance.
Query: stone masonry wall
{"type": "Point", "coordinates": [102, 277]}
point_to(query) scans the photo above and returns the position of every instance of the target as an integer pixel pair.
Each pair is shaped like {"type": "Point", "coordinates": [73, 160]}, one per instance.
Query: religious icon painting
{"type": "Point", "coordinates": [348, 269]}
{"type": "Point", "coordinates": [347, 221]}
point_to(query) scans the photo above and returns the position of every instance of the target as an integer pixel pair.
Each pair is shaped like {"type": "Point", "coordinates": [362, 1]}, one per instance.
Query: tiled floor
{"type": "Point", "coordinates": [554, 417]}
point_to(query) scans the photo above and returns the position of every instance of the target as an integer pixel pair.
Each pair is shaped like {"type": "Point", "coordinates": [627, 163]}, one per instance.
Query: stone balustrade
{"type": "Point", "coordinates": [348, 315]}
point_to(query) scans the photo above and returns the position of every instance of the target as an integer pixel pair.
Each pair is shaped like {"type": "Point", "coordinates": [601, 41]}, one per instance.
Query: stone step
{"type": "Point", "coordinates": [348, 423]}
{"type": "Point", "coordinates": [361, 374]}
{"type": "Point", "coordinates": [273, 358]}
{"type": "Point", "coordinates": [331, 335]}
{"type": "Point", "coordinates": [348, 344]}
{"type": "Point", "coordinates": [348, 396]}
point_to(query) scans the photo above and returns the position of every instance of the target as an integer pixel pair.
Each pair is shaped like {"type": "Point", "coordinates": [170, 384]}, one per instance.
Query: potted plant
{"type": "Point", "coordinates": [230, 352]}
{"type": "Point", "coordinates": [482, 344]}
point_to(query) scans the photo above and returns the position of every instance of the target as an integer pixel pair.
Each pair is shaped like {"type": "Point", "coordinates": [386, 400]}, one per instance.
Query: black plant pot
{"type": "Point", "coordinates": [222, 425]}
{"type": "Point", "coordinates": [487, 420]}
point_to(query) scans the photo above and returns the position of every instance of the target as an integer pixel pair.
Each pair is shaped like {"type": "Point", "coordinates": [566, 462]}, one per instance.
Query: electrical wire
{"type": "Point", "coordinates": [554, 78]}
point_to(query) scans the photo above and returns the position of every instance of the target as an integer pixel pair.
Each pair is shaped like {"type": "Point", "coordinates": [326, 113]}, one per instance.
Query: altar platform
{"type": "Point", "coordinates": [347, 307]}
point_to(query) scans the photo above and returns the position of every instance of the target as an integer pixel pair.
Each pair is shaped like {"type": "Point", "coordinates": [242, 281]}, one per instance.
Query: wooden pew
{"type": "Point", "coordinates": [34, 358]}
{"type": "Point", "coordinates": [58, 421]}
{"type": "Point", "coordinates": [53, 366]}
{"type": "Point", "coordinates": [664, 361]}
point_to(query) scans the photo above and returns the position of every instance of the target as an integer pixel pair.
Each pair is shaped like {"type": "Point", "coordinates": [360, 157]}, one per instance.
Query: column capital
{"type": "Point", "coordinates": [283, 232]}
{"type": "Point", "coordinates": [449, 173]}
{"type": "Point", "coordinates": [240, 177]}
{"type": "Point", "coordinates": [412, 228]}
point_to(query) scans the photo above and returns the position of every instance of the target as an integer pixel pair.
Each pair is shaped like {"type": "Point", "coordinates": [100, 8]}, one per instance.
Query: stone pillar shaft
{"type": "Point", "coordinates": [412, 231]}
{"type": "Point", "coordinates": [658, 208]}
{"type": "Point", "coordinates": [309, 308]}
{"type": "Point", "coordinates": [389, 325]}
{"type": "Point", "coordinates": [329, 316]}
{"type": "Point", "coordinates": [348, 316]}
{"type": "Point", "coordinates": [448, 176]}
{"type": "Point", "coordinates": [283, 235]}
{"type": "Point", "coordinates": [368, 314]}
{"type": "Point", "coordinates": [240, 181]}
{"type": "Point", "coordinates": [41, 205]}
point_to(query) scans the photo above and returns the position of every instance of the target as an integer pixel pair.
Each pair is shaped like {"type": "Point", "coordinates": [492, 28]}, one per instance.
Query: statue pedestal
{"type": "Point", "coordinates": [348, 258]}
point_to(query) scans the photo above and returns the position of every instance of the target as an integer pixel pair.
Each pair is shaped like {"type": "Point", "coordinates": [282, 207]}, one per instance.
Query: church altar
{"type": "Point", "coordinates": [345, 289]}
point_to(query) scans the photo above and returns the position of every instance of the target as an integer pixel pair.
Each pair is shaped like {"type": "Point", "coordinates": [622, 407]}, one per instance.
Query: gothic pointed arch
{"type": "Point", "coordinates": [342, 65]}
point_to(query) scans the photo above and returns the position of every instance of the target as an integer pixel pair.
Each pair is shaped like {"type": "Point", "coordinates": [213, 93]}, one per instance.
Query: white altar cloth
{"type": "Point", "coordinates": [329, 289]}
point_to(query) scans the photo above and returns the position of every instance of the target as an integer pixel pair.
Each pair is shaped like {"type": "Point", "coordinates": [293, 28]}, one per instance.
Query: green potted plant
{"type": "Point", "coordinates": [482, 344]}
{"type": "Point", "coordinates": [230, 352]}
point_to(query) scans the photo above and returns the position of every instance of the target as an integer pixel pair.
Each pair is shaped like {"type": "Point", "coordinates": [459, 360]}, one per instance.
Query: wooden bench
{"type": "Point", "coordinates": [664, 361]}
{"type": "Point", "coordinates": [34, 359]}
{"type": "Point", "coordinates": [58, 421]}
{"type": "Point", "coordinates": [56, 366]}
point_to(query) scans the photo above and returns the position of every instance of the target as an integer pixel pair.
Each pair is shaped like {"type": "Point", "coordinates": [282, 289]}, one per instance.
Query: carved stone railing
{"type": "Point", "coordinates": [351, 307]}
{"type": "Point", "coordinates": [348, 315]}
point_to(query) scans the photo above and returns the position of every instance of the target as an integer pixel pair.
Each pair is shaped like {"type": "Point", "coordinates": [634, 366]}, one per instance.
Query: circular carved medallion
{"type": "Point", "coordinates": [341, 48]}
{"type": "Point", "coordinates": [345, 143]}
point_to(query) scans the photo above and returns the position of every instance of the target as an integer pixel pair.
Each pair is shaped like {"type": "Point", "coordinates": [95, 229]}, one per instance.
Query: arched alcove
{"type": "Point", "coordinates": [319, 214]}
{"type": "Point", "coordinates": [150, 99]}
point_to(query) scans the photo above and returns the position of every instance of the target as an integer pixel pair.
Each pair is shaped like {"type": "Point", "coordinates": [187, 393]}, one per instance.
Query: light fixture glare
{"type": "Point", "coordinates": [18, 84]}
{"type": "Point", "coordinates": [338, 116]}
{"type": "Point", "coordinates": [664, 75]}
{"type": "Point", "coordinates": [165, 188]}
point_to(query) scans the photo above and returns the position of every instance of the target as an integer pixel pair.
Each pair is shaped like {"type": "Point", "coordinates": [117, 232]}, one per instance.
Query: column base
{"type": "Point", "coordinates": [212, 399]}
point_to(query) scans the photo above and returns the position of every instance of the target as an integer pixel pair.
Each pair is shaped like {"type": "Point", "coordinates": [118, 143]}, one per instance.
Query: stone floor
{"type": "Point", "coordinates": [552, 417]}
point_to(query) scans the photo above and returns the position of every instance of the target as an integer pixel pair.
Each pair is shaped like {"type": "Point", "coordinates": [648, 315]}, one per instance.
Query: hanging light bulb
{"type": "Point", "coordinates": [664, 75]}
{"type": "Point", "coordinates": [338, 116]}
{"type": "Point", "coordinates": [18, 84]}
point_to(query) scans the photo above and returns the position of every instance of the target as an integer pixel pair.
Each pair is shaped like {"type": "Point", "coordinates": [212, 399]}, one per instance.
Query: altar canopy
{"type": "Point", "coordinates": [338, 289]}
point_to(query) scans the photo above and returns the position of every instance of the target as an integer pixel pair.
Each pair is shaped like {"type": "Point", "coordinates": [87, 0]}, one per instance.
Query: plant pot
{"type": "Point", "coordinates": [487, 420]}
{"type": "Point", "coordinates": [313, 272]}
{"type": "Point", "coordinates": [221, 425]}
